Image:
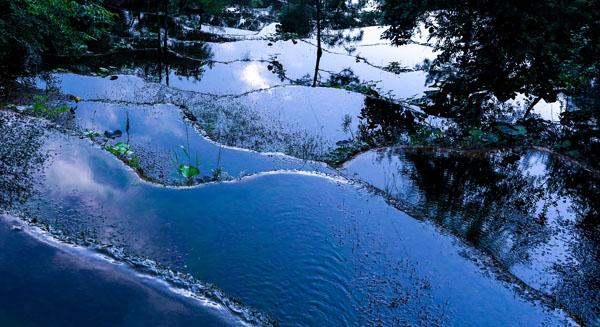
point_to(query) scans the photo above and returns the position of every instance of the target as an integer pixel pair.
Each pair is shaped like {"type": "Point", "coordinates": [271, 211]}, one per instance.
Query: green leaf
{"type": "Point", "coordinates": [120, 149]}
{"type": "Point", "coordinates": [188, 171]}
{"type": "Point", "coordinates": [520, 130]}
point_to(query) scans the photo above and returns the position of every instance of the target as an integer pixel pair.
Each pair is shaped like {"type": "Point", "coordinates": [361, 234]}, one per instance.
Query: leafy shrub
{"type": "Point", "coordinates": [31, 28]}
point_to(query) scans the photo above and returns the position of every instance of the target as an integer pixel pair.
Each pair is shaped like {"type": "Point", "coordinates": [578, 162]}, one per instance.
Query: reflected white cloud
{"type": "Point", "coordinates": [69, 175]}
{"type": "Point", "coordinates": [252, 76]}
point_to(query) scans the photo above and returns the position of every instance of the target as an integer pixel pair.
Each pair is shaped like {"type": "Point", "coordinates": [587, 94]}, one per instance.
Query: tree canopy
{"type": "Point", "coordinates": [29, 28]}
{"type": "Point", "coordinates": [494, 50]}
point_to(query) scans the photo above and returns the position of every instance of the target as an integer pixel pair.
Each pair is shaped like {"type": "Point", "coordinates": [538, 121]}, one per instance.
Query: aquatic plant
{"type": "Point", "coordinates": [134, 163]}
{"type": "Point", "coordinates": [43, 108]}
{"type": "Point", "coordinates": [120, 149]}
{"type": "Point", "coordinates": [90, 134]}
{"type": "Point", "coordinates": [123, 151]}
{"type": "Point", "coordinates": [187, 170]}
{"type": "Point", "coordinates": [218, 174]}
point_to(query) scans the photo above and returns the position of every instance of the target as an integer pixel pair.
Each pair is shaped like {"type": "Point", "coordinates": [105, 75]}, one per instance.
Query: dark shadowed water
{"type": "Point", "coordinates": [45, 283]}
{"type": "Point", "coordinates": [534, 212]}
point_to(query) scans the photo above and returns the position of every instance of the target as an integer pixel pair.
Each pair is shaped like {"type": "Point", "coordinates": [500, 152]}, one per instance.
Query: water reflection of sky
{"type": "Point", "coordinates": [345, 243]}
{"type": "Point", "coordinates": [157, 133]}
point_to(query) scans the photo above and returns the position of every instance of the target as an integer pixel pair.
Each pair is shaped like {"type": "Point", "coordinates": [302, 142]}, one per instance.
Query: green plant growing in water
{"type": "Point", "coordinates": [123, 151]}
{"type": "Point", "coordinates": [188, 170]}
{"type": "Point", "coordinates": [90, 134]}
{"type": "Point", "coordinates": [120, 149]}
{"type": "Point", "coordinates": [42, 108]}
{"type": "Point", "coordinates": [134, 163]}
{"type": "Point", "coordinates": [218, 174]}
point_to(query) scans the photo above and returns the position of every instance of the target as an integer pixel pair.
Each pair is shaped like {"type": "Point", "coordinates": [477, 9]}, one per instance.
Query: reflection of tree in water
{"type": "Point", "coordinates": [484, 198]}
{"type": "Point", "coordinates": [508, 204]}
{"type": "Point", "coordinates": [189, 61]}
{"type": "Point", "coordinates": [579, 274]}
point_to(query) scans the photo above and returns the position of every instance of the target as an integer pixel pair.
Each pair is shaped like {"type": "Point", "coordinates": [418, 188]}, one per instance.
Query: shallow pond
{"type": "Point", "coordinates": [158, 135]}
{"type": "Point", "coordinates": [302, 248]}
{"type": "Point", "coordinates": [297, 59]}
{"type": "Point", "coordinates": [302, 121]}
{"type": "Point", "coordinates": [416, 239]}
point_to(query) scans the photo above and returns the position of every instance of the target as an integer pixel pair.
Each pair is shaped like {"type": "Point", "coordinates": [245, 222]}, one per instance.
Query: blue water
{"type": "Point", "coordinates": [304, 249]}
{"type": "Point", "coordinates": [45, 283]}
{"type": "Point", "coordinates": [157, 133]}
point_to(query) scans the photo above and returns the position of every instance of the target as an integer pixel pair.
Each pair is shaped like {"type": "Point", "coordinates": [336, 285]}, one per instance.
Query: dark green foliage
{"type": "Point", "coordinates": [198, 6]}
{"type": "Point", "coordinates": [493, 50]}
{"type": "Point", "coordinates": [582, 124]}
{"type": "Point", "coordinates": [383, 121]}
{"type": "Point", "coordinates": [32, 28]}
{"type": "Point", "coordinates": [396, 68]}
{"type": "Point", "coordinates": [344, 151]}
{"type": "Point", "coordinates": [346, 79]}
{"type": "Point", "coordinates": [296, 18]}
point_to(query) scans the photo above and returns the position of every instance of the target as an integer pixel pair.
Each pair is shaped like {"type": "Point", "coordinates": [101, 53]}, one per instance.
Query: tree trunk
{"type": "Point", "coordinates": [166, 24]}
{"type": "Point", "coordinates": [159, 45]}
{"type": "Point", "coordinates": [528, 111]}
{"type": "Point", "coordinates": [319, 48]}
{"type": "Point", "coordinates": [165, 40]}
